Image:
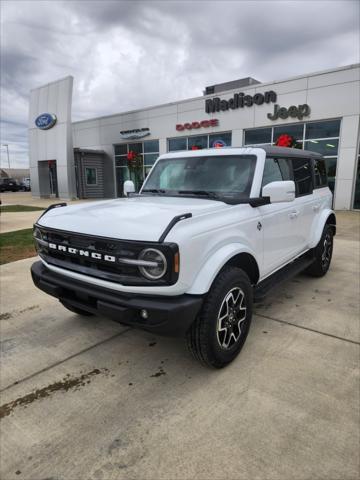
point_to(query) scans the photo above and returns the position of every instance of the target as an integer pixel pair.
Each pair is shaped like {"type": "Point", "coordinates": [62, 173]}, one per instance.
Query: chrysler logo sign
{"type": "Point", "coordinates": [135, 133]}
{"type": "Point", "coordinates": [45, 121]}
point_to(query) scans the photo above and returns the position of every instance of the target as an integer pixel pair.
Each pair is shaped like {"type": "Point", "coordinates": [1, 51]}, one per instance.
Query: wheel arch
{"type": "Point", "coordinates": [331, 220]}
{"type": "Point", "coordinates": [327, 217]}
{"type": "Point", "coordinates": [246, 262]}
{"type": "Point", "coordinates": [232, 255]}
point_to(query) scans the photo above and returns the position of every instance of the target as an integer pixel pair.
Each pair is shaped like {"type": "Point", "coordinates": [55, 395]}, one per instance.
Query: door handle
{"type": "Point", "coordinates": [294, 214]}
{"type": "Point", "coordinates": [316, 207]}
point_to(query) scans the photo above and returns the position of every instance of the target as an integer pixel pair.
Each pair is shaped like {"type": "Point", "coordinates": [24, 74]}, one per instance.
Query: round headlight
{"type": "Point", "coordinates": [37, 233]}
{"type": "Point", "coordinates": [155, 264]}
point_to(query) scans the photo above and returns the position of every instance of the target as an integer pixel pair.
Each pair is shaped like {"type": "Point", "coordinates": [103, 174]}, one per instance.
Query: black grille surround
{"type": "Point", "coordinates": [113, 271]}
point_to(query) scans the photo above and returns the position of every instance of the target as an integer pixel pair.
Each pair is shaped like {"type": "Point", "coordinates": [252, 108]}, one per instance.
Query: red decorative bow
{"type": "Point", "coordinates": [285, 140]}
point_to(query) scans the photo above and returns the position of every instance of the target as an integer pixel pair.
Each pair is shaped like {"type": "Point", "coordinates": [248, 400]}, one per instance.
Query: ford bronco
{"type": "Point", "coordinates": [209, 233]}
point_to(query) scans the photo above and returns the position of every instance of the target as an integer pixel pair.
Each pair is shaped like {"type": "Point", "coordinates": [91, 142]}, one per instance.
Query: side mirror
{"type": "Point", "coordinates": [279, 192]}
{"type": "Point", "coordinates": [129, 187]}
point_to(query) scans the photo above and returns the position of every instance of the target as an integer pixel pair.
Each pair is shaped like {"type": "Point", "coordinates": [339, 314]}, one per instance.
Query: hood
{"type": "Point", "coordinates": [136, 218]}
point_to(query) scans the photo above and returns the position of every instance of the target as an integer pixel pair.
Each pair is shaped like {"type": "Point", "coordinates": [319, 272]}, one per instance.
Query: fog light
{"type": "Point", "coordinates": [144, 314]}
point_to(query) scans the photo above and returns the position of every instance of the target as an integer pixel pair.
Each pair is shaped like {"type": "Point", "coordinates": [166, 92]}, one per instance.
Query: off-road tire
{"type": "Point", "coordinates": [322, 253]}
{"type": "Point", "coordinates": [79, 311]}
{"type": "Point", "coordinates": [203, 336]}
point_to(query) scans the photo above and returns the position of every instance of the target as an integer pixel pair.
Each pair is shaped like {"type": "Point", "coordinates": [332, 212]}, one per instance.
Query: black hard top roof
{"type": "Point", "coordinates": [289, 152]}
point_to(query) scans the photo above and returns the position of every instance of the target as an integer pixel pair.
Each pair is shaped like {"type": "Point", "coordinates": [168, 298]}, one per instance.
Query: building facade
{"type": "Point", "coordinates": [90, 158]}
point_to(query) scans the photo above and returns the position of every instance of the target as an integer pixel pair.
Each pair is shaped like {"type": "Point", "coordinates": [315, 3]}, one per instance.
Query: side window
{"type": "Point", "coordinates": [285, 167]}
{"type": "Point", "coordinates": [91, 176]}
{"type": "Point", "coordinates": [276, 169]}
{"type": "Point", "coordinates": [320, 173]}
{"type": "Point", "coordinates": [272, 171]}
{"type": "Point", "coordinates": [302, 176]}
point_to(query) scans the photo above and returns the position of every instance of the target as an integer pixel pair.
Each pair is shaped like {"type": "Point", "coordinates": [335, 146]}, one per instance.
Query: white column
{"type": "Point", "coordinates": [237, 138]}
{"type": "Point", "coordinates": [162, 146]}
{"type": "Point", "coordinates": [346, 163]}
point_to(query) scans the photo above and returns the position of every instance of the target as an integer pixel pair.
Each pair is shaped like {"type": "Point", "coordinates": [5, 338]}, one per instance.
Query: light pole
{"type": "Point", "coordinates": [7, 150]}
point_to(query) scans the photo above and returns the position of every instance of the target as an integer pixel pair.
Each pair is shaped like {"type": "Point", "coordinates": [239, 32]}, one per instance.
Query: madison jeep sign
{"type": "Point", "coordinates": [239, 100]}
{"type": "Point", "coordinates": [294, 111]}
{"type": "Point", "coordinates": [45, 121]}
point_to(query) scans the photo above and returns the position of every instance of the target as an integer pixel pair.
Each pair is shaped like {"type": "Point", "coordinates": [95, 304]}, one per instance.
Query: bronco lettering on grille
{"type": "Point", "coordinates": [82, 253]}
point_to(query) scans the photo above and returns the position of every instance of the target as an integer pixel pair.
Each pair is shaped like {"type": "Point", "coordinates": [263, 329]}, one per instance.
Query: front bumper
{"type": "Point", "coordinates": [166, 315]}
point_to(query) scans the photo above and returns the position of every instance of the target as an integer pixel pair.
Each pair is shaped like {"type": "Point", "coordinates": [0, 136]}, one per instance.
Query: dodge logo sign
{"type": "Point", "coordinates": [214, 122]}
{"type": "Point", "coordinates": [45, 121]}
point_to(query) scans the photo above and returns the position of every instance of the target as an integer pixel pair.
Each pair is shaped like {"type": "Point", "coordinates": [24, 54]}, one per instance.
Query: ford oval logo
{"type": "Point", "coordinates": [45, 121]}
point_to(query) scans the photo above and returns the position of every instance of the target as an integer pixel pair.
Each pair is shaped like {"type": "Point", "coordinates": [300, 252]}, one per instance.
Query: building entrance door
{"type": "Point", "coordinates": [53, 178]}
{"type": "Point", "coordinates": [48, 182]}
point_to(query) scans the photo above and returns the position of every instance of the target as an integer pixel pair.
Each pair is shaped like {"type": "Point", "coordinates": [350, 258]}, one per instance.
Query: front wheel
{"type": "Point", "coordinates": [323, 254]}
{"type": "Point", "coordinates": [218, 334]}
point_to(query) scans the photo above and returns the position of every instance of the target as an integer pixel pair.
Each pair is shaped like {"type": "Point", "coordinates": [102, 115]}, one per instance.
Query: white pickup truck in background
{"type": "Point", "coordinates": [209, 232]}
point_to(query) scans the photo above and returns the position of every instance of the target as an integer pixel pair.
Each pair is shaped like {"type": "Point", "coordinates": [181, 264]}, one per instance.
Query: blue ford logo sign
{"type": "Point", "coordinates": [45, 121]}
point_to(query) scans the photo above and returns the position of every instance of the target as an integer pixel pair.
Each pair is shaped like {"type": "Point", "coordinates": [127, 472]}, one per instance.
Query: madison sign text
{"type": "Point", "coordinates": [239, 100]}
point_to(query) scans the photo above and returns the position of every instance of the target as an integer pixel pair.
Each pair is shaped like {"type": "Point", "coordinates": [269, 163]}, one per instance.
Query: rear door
{"type": "Point", "coordinates": [322, 197]}
{"type": "Point", "coordinates": [282, 235]}
{"type": "Point", "coordinates": [304, 201]}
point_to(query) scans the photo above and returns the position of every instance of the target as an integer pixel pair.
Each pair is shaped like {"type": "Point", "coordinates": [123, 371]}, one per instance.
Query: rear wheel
{"type": "Point", "coordinates": [79, 311]}
{"type": "Point", "coordinates": [218, 334]}
{"type": "Point", "coordinates": [323, 254]}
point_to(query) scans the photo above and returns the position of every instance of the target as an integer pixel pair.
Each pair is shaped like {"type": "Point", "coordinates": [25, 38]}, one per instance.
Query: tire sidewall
{"type": "Point", "coordinates": [320, 249]}
{"type": "Point", "coordinates": [235, 278]}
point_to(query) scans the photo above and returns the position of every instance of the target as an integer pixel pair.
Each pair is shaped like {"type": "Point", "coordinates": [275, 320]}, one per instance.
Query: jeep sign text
{"type": "Point", "coordinates": [294, 111]}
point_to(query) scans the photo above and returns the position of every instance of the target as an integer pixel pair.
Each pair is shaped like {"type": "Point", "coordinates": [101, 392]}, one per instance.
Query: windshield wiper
{"type": "Point", "coordinates": [204, 193]}
{"type": "Point", "coordinates": [153, 190]}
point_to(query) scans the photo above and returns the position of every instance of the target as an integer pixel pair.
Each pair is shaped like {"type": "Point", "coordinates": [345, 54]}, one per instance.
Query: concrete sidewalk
{"type": "Point", "coordinates": [87, 398]}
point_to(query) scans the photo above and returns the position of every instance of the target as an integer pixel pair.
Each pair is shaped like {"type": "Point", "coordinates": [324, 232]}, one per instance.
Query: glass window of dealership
{"type": "Point", "coordinates": [321, 137]}
{"type": "Point", "coordinates": [318, 136]}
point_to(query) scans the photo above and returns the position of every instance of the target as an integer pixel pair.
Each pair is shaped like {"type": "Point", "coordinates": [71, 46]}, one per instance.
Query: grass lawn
{"type": "Point", "coordinates": [19, 208]}
{"type": "Point", "coordinates": [16, 245]}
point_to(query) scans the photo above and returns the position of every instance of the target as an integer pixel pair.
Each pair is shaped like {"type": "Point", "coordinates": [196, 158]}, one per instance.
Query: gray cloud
{"type": "Point", "coordinates": [129, 54]}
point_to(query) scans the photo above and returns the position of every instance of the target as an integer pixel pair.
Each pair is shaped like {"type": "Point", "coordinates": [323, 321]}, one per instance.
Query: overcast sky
{"type": "Point", "coordinates": [127, 54]}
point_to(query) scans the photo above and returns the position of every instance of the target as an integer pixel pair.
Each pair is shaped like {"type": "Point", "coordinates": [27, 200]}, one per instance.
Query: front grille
{"type": "Point", "coordinates": [105, 248]}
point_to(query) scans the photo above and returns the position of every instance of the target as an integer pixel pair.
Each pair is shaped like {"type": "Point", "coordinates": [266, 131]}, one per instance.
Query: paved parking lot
{"type": "Point", "coordinates": [84, 397]}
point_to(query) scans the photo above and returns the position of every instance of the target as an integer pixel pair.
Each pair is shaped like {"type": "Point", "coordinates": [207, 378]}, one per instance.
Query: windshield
{"type": "Point", "coordinates": [219, 175]}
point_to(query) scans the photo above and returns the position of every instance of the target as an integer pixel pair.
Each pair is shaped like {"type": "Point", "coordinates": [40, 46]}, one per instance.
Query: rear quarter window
{"type": "Point", "coordinates": [320, 176]}
{"type": "Point", "coordinates": [303, 179]}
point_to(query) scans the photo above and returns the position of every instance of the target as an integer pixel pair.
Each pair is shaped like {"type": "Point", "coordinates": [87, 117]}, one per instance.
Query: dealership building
{"type": "Point", "coordinates": [90, 158]}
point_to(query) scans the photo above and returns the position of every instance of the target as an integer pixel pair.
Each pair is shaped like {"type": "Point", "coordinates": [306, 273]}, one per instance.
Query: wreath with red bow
{"type": "Point", "coordinates": [134, 160]}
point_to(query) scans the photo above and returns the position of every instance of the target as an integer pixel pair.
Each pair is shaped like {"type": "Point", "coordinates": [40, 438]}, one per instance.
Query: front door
{"type": "Point", "coordinates": [280, 221]}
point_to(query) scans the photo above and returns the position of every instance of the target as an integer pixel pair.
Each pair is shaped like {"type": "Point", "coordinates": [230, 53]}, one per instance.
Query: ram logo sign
{"type": "Point", "coordinates": [45, 121]}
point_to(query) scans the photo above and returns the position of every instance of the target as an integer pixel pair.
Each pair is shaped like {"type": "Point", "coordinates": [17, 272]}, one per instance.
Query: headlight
{"type": "Point", "coordinates": [157, 264]}
{"type": "Point", "coordinates": [37, 233]}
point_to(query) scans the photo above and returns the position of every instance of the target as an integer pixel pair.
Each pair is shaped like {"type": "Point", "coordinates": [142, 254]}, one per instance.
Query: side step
{"type": "Point", "coordinates": [287, 272]}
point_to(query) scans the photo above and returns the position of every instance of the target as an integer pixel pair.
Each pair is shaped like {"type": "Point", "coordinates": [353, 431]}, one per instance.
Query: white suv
{"type": "Point", "coordinates": [209, 232]}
